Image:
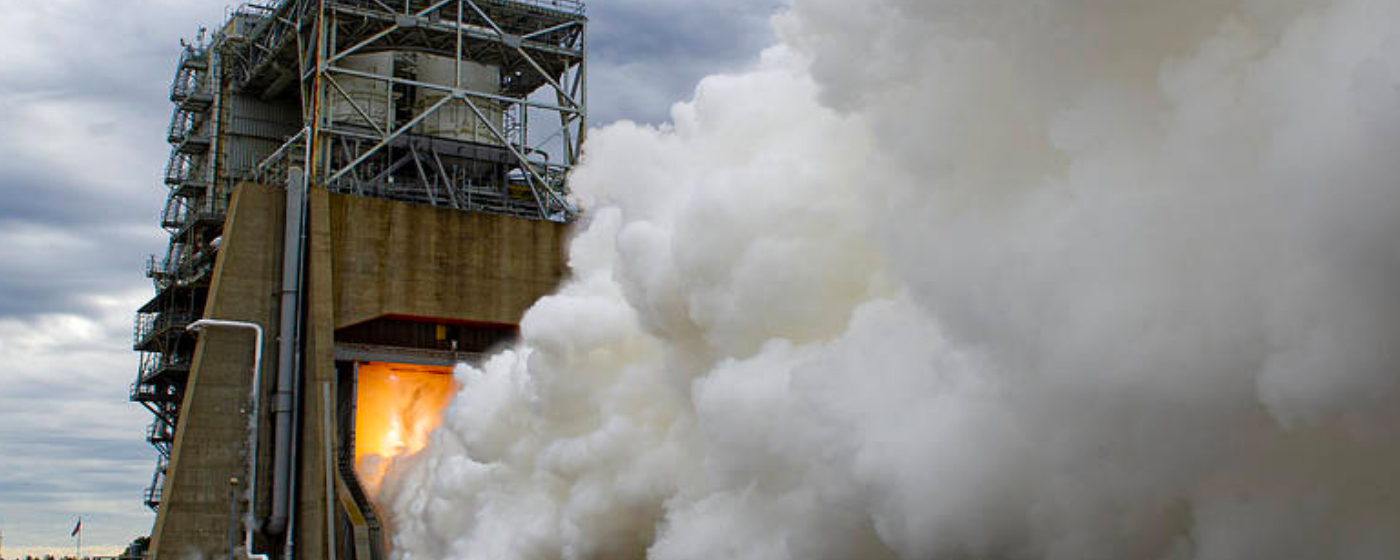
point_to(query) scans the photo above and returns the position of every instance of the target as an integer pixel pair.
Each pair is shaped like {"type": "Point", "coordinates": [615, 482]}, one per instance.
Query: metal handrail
{"type": "Point", "coordinates": [156, 268]}
{"type": "Point", "coordinates": [177, 168]}
{"type": "Point", "coordinates": [576, 7]}
{"type": "Point", "coordinates": [153, 493]}
{"type": "Point", "coordinates": [152, 363]}
{"type": "Point", "coordinates": [275, 164]}
{"type": "Point", "coordinates": [186, 76]}
{"type": "Point", "coordinates": [179, 213]}
{"type": "Point", "coordinates": [181, 122]}
{"type": "Point", "coordinates": [143, 392]}
{"type": "Point", "coordinates": [150, 324]}
{"type": "Point", "coordinates": [158, 430]}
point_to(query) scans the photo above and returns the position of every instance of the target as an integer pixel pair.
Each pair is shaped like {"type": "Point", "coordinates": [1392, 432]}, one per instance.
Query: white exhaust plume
{"type": "Point", "coordinates": [967, 279]}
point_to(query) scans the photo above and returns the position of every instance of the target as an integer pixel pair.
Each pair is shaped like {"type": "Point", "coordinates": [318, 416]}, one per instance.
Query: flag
{"type": "Point", "coordinates": [77, 528]}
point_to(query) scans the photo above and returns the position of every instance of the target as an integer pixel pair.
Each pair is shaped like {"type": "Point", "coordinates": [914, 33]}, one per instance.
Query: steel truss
{"type": "Point", "coordinates": [521, 165]}
{"type": "Point", "coordinates": [235, 98]}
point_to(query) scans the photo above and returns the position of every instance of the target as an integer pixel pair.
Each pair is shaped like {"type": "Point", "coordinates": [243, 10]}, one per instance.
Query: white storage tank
{"type": "Point", "coordinates": [372, 96]}
{"type": "Point", "coordinates": [456, 120]}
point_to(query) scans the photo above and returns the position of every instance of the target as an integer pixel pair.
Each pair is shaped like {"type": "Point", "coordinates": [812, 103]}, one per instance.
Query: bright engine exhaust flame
{"type": "Point", "coordinates": [397, 406]}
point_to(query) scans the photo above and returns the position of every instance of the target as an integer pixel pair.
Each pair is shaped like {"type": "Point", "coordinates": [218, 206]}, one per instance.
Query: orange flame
{"type": "Point", "coordinates": [396, 407]}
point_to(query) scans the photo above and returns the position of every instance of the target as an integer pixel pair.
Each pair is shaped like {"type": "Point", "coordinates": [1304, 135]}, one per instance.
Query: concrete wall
{"type": "Point", "coordinates": [392, 258]}
{"type": "Point", "coordinates": [314, 538]}
{"type": "Point", "coordinates": [371, 258]}
{"type": "Point", "coordinates": [367, 258]}
{"type": "Point", "coordinates": [193, 520]}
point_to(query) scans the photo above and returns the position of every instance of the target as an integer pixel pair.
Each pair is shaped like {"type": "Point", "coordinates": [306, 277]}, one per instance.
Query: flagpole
{"type": "Point", "coordinates": [80, 539]}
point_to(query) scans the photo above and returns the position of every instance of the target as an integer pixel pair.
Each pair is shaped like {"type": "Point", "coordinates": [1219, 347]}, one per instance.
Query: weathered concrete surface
{"type": "Point", "coordinates": [313, 538]}
{"type": "Point", "coordinates": [370, 258]}
{"type": "Point", "coordinates": [193, 519]}
{"type": "Point", "coordinates": [392, 258]}
{"type": "Point", "coordinates": [366, 258]}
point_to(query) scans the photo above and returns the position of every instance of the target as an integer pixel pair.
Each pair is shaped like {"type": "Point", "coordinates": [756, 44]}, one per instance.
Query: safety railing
{"type": "Point", "coordinates": [208, 210]}
{"type": "Point", "coordinates": [572, 7]}
{"type": "Point", "coordinates": [152, 494]}
{"type": "Point", "coordinates": [181, 123]}
{"type": "Point", "coordinates": [155, 364]}
{"type": "Point", "coordinates": [575, 7]}
{"type": "Point", "coordinates": [180, 213]}
{"type": "Point", "coordinates": [150, 393]}
{"type": "Point", "coordinates": [158, 431]}
{"type": "Point", "coordinates": [193, 61]}
{"type": "Point", "coordinates": [168, 269]}
{"type": "Point", "coordinates": [273, 168]}
{"type": "Point", "coordinates": [157, 269]}
{"type": "Point", "coordinates": [179, 168]}
{"type": "Point", "coordinates": [152, 325]}
{"type": "Point", "coordinates": [175, 213]}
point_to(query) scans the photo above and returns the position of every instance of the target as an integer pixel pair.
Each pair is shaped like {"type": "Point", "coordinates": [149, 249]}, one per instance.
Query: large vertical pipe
{"type": "Point", "coordinates": [283, 397]}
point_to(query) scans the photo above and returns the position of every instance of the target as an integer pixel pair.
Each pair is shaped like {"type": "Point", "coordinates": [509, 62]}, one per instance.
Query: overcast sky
{"type": "Point", "coordinates": [83, 111]}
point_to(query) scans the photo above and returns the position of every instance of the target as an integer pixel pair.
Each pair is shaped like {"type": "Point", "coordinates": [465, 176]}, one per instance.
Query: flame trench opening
{"type": "Point", "coordinates": [397, 406]}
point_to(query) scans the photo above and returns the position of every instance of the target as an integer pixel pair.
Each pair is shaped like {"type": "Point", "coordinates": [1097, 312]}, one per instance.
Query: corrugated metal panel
{"type": "Point", "coordinates": [243, 106]}
{"type": "Point", "coordinates": [249, 116]}
{"type": "Point", "coordinates": [252, 129]}
{"type": "Point", "coordinates": [243, 153]}
{"type": "Point", "coordinates": [268, 130]}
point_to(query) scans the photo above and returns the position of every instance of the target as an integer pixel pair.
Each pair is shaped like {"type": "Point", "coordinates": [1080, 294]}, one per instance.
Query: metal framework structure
{"type": "Point", "coordinates": [193, 216]}
{"type": "Point", "coordinates": [517, 165]}
{"type": "Point", "coordinates": [475, 105]}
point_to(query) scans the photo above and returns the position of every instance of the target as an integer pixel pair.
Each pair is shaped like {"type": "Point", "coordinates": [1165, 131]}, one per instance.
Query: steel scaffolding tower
{"type": "Point", "coordinates": [474, 105]}
{"type": "Point", "coordinates": [192, 216]}
{"type": "Point", "coordinates": [387, 128]}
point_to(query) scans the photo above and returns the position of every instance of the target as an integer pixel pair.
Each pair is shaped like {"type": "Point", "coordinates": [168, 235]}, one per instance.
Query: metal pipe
{"type": "Point", "coordinates": [288, 365]}
{"type": "Point", "coordinates": [253, 410]}
{"type": "Point", "coordinates": [215, 75]}
{"type": "Point", "coordinates": [294, 477]}
{"type": "Point", "coordinates": [289, 550]}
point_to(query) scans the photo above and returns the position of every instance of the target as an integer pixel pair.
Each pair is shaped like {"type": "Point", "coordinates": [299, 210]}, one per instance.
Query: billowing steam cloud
{"type": "Point", "coordinates": [967, 279]}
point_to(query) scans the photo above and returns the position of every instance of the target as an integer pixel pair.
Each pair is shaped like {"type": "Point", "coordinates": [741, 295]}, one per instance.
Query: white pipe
{"type": "Point", "coordinates": [252, 421]}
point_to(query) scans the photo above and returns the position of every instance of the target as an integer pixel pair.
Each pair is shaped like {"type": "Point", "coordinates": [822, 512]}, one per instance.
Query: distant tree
{"type": "Point", "coordinates": [138, 547]}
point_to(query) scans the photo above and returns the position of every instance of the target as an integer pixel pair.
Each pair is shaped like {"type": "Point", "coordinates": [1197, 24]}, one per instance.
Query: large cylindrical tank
{"type": "Point", "coordinates": [456, 120]}
{"type": "Point", "coordinates": [372, 96]}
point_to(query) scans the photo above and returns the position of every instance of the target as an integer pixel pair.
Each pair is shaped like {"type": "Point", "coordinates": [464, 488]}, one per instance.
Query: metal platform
{"type": "Point", "coordinates": [537, 46]}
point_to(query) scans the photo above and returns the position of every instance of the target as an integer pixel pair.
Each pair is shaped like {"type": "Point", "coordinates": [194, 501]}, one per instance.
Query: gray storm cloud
{"type": "Point", "coordinates": [956, 279]}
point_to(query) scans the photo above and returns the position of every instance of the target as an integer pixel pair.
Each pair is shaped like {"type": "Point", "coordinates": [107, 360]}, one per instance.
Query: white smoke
{"type": "Point", "coordinates": [955, 279]}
